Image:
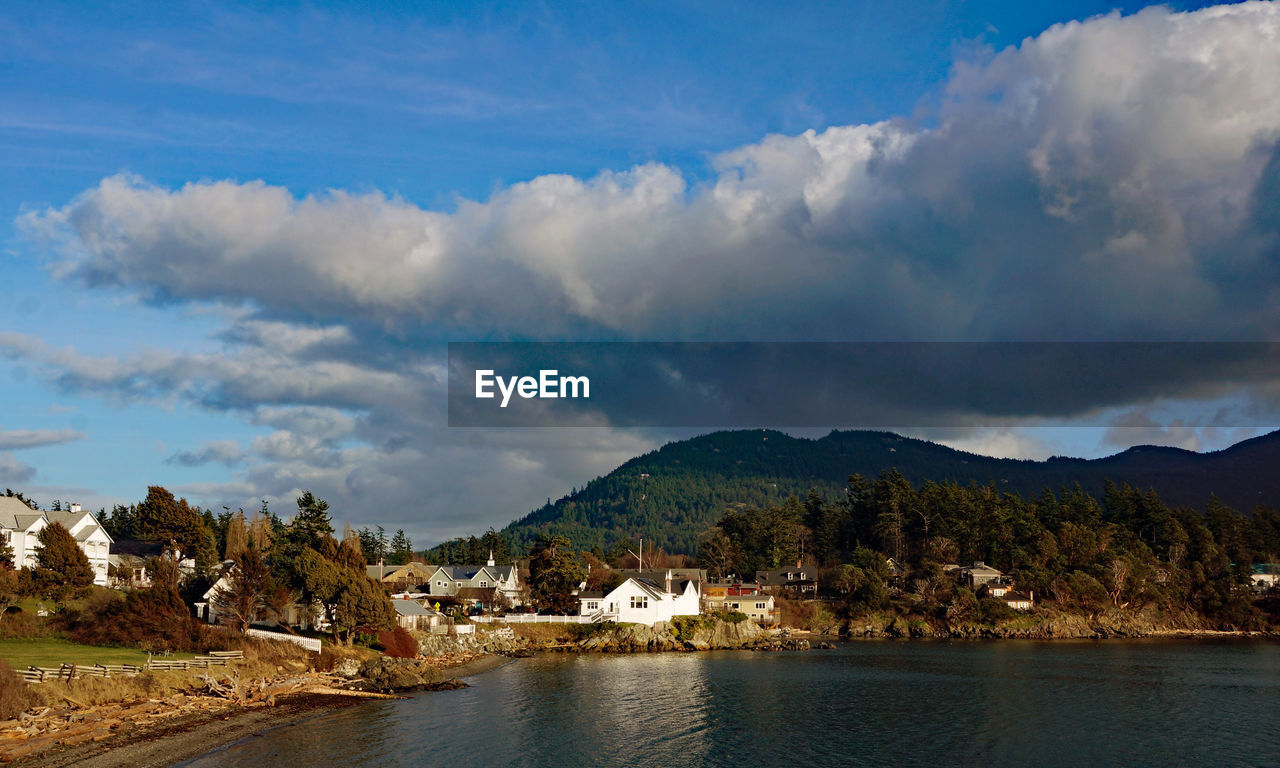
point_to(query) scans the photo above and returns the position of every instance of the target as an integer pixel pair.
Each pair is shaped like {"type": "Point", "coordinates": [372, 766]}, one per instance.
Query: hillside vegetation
{"type": "Point", "coordinates": [673, 495]}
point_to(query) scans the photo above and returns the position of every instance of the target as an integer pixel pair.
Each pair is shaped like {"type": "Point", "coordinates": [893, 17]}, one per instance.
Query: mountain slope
{"type": "Point", "coordinates": [671, 495]}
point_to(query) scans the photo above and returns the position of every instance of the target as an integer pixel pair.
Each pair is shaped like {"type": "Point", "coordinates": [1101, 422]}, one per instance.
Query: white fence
{"type": "Point", "coordinates": [310, 643]}
{"type": "Point", "coordinates": [532, 618]}
{"type": "Point", "coordinates": [453, 629]}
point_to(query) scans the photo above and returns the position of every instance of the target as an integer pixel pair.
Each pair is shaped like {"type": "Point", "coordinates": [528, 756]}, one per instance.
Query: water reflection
{"type": "Point", "coordinates": [874, 703]}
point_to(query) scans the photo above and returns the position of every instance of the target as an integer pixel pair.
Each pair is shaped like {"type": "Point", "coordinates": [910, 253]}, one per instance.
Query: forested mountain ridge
{"type": "Point", "coordinates": [672, 495]}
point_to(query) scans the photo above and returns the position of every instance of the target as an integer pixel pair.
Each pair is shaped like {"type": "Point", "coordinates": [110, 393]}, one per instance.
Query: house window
{"type": "Point", "coordinates": [734, 606]}
{"type": "Point", "coordinates": [484, 584]}
{"type": "Point", "coordinates": [592, 606]}
{"type": "Point", "coordinates": [759, 606]}
{"type": "Point", "coordinates": [640, 602]}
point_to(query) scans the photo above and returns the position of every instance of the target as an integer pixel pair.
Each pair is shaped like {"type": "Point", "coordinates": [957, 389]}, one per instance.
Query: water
{"type": "Point", "coordinates": [1004, 703]}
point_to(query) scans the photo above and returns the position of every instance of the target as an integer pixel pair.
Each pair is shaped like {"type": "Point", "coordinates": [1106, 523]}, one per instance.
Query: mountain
{"type": "Point", "coordinates": [671, 495]}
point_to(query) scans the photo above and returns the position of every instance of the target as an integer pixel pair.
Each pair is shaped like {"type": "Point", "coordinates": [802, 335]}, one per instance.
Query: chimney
{"type": "Point", "coordinates": [490, 563]}
{"type": "Point", "coordinates": [74, 508]}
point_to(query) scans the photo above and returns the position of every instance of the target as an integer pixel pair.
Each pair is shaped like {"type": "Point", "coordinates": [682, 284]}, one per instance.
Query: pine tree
{"type": "Point", "coordinates": [163, 518]}
{"type": "Point", "coordinates": [59, 559]}
{"type": "Point", "coordinates": [401, 549]}
{"type": "Point", "coordinates": [553, 574]}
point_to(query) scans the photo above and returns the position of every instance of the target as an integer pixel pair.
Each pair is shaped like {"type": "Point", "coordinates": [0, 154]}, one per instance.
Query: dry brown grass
{"type": "Point", "coordinates": [15, 695]}
{"type": "Point", "coordinates": [542, 633]}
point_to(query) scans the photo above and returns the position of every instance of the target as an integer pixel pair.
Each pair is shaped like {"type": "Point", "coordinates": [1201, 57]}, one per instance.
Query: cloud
{"type": "Point", "coordinates": [225, 452]}
{"type": "Point", "coordinates": [1081, 185]}
{"type": "Point", "coordinates": [1112, 179]}
{"type": "Point", "coordinates": [18, 439]}
{"type": "Point", "coordinates": [14, 471]}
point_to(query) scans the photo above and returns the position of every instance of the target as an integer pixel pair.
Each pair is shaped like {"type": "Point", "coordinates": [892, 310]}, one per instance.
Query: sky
{"type": "Point", "coordinates": [235, 238]}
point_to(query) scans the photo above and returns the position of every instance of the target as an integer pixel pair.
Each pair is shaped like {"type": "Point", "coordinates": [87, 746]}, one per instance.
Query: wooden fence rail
{"type": "Point", "coordinates": [68, 672]}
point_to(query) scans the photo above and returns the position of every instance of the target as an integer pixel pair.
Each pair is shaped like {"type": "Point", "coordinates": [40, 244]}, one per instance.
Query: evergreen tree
{"type": "Point", "coordinates": [553, 574]}
{"type": "Point", "coordinates": [59, 559]}
{"type": "Point", "coordinates": [164, 518]}
{"type": "Point", "coordinates": [401, 549]}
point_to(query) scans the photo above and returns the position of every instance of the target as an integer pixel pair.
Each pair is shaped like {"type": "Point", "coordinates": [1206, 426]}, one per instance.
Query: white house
{"type": "Point", "coordinates": [1264, 576]}
{"type": "Point", "coordinates": [21, 525]}
{"type": "Point", "coordinates": [642, 600]}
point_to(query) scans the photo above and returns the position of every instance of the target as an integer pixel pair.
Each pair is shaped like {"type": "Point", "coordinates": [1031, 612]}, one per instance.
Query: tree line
{"type": "Point", "coordinates": [1127, 549]}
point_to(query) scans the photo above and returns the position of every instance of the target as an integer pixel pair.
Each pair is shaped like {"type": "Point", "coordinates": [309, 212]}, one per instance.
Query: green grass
{"type": "Point", "coordinates": [52, 652]}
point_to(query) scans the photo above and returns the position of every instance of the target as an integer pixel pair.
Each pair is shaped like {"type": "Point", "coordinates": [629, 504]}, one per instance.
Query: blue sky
{"type": "Point", "coordinates": [481, 113]}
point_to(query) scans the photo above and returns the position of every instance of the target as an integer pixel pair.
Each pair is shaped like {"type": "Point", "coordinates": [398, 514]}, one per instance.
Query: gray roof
{"type": "Point", "coordinates": [410, 608]}
{"type": "Point", "coordinates": [469, 572]}
{"type": "Point", "coordinates": [69, 519]}
{"type": "Point", "coordinates": [11, 509]}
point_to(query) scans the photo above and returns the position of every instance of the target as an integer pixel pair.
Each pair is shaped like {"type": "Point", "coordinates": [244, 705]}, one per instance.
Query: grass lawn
{"type": "Point", "coordinates": [52, 652]}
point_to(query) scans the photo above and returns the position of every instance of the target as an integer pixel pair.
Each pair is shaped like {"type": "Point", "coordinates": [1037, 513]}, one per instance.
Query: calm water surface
{"type": "Point", "coordinates": [868, 703]}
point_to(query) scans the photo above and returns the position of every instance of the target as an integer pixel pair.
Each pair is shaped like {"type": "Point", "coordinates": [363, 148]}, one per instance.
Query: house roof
{"type": "Point", "coordinates": [410, 608]}
{"type": "Point", "coordinates": [469, 572]}
{"type": "Point", "coordinates": [69, 520]}
{"type": "Point", "coordinates": [15, 515]}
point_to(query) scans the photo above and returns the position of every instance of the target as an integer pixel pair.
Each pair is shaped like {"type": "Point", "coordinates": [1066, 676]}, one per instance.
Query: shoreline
{"type": "Point", "coordinates": [198, 734]}
{"type": "Point", "coordinates": [191, 736]}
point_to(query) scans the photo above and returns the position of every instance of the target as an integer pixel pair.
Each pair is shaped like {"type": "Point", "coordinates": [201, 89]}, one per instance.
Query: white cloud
{"type": "Point", "coordinates": [1110, 179]}
{"type": "Point", "coordinates": [1123, 148]}
{"type": "Point", "coordinates": [17, 439]}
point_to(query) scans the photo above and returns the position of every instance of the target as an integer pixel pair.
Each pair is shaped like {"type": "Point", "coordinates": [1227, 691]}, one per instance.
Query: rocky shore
{"type": "Point", "coordinates": [1102, 626]}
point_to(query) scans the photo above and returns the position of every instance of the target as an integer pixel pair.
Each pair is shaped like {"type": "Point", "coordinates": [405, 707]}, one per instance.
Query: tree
{"type": "Point", "coordinates": [173, 521]}
{"type": "Point", "coordinates": [244, 597]}
{"type": "Point", "coordinates": [373, 543]}
{"type": "Point", "coordinates": [553, 574]}
{"type": "Point", "coordinates": [6, 552]}
{"type": "Point", "coordinates": [237, 537]}
{"type": "Point", "coordinates": [401, 549]}
{"type": "Point", "coordinates": [260, 531]}
{"type": "Point", "coordinates": [59, 559]}
{"type": "Point", "coordinates": [312, 523]}
{"type": "Point", "coordinates": [359, 605]}
{"type": "Point", "coordinates": [718, 554]}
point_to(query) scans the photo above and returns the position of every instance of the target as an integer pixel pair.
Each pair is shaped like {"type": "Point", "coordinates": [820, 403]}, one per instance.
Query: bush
{"type": "Point", "coordinates": [731, 617]}
{"type": "Point", "coordinates": [583, 631]}
{"type": "Point", "coordinates": [994, 610]}
{"type": "Point", "coordinates": [153, 619]}
{"type": "Point", "coordinates": [685, 627]}
{"type": "Point", "coordinates": [20, 625]}
{"type": "Point", "coordinates": [398, 643]}
{"type": "Point", "coordinates": [15, 695]}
